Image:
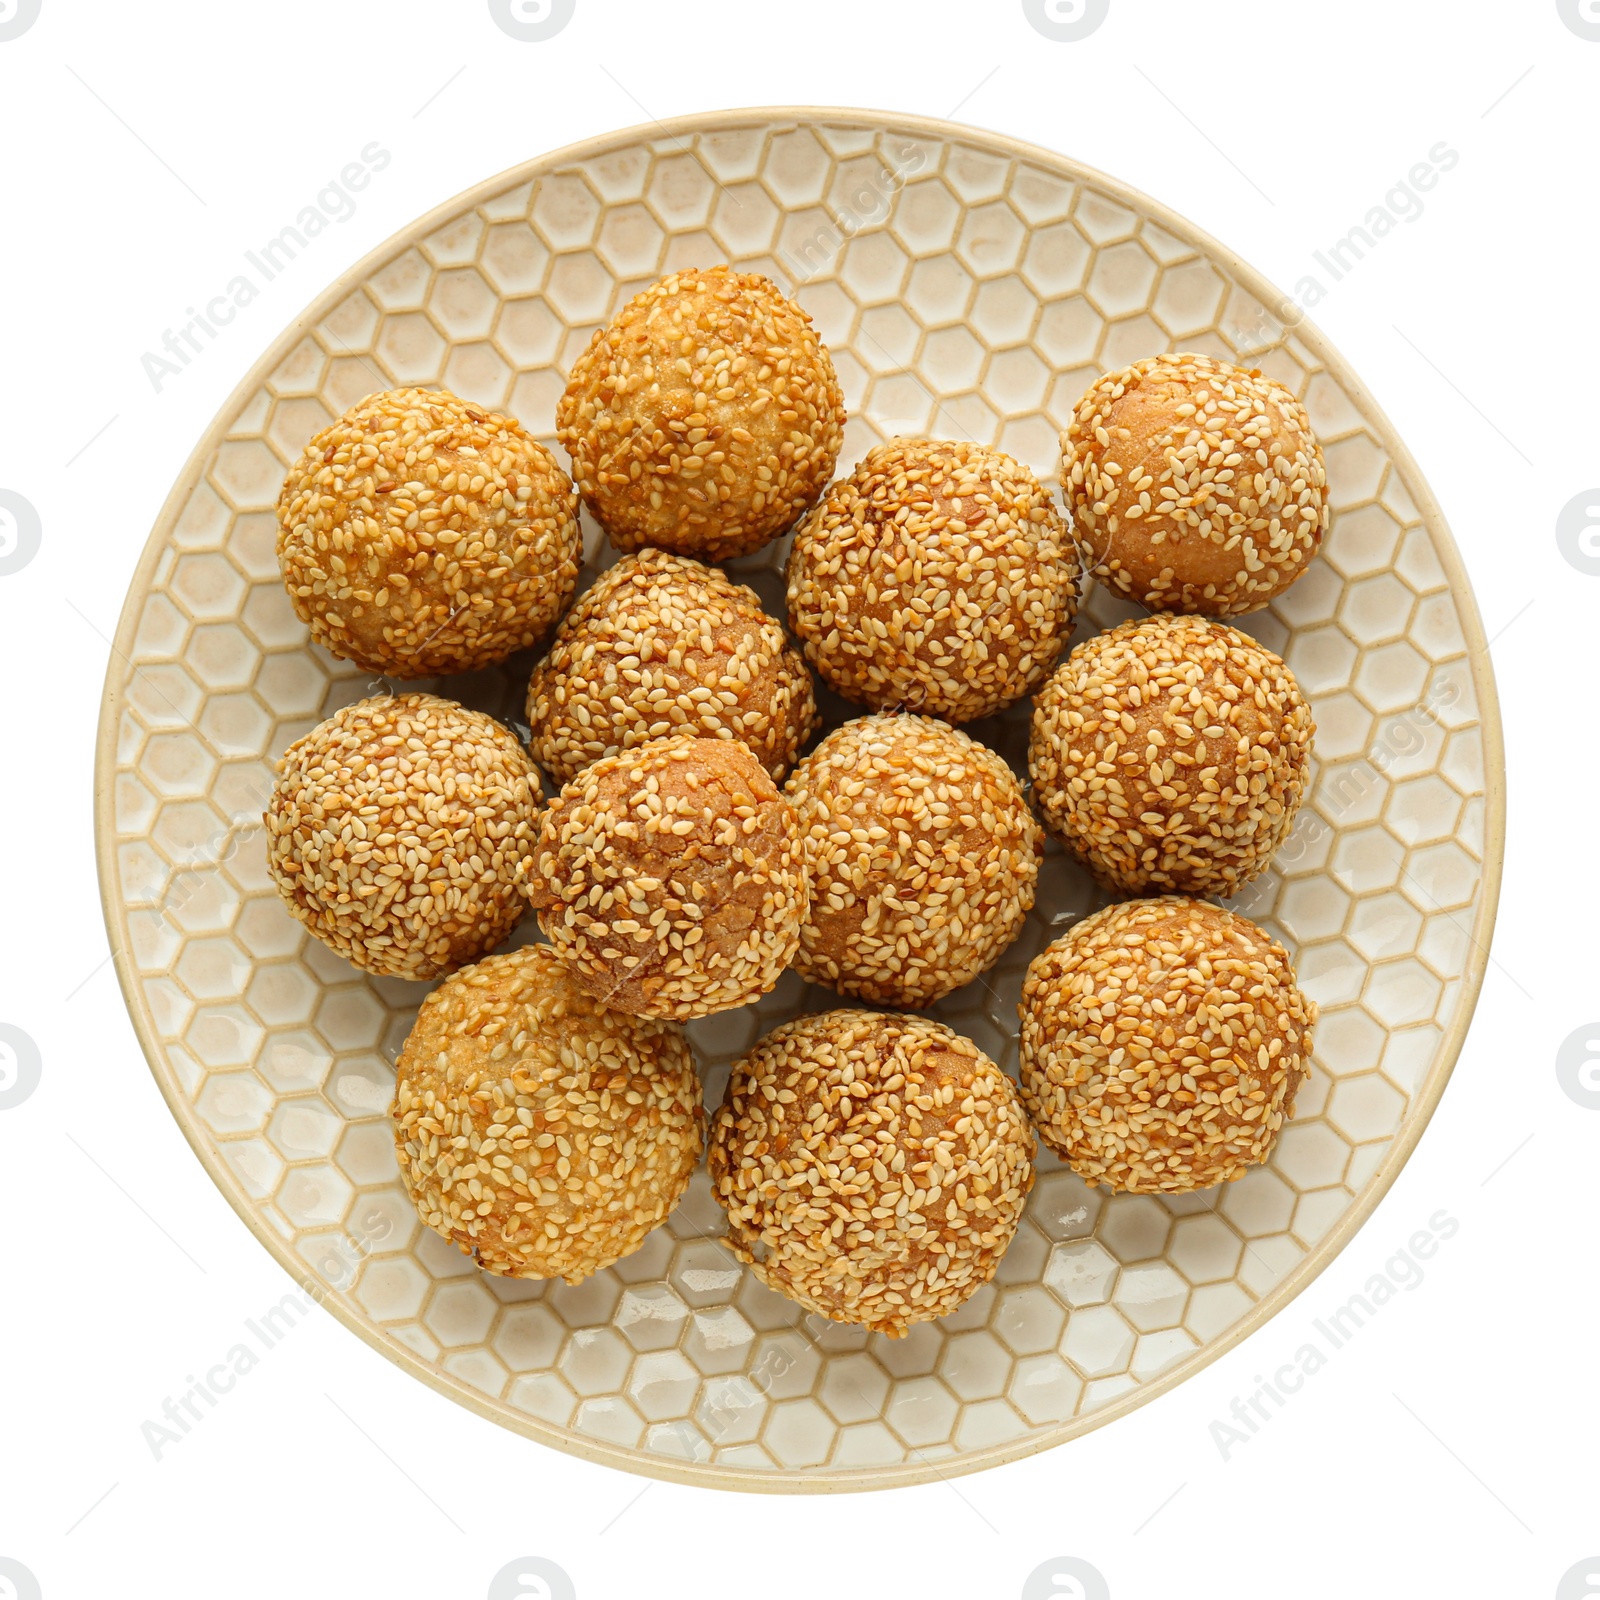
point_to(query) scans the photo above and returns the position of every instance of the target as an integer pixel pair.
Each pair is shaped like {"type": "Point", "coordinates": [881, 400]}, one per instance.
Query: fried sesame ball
{"type": "Point", "coordinates": [538, 1132]}
{"type": "Point", "coordinates": [704, 417]}
{"type": "Point", "coordinates": [922, 856]}
{"type": "Point", "coordinates": [1171, 753]}
{"type": "Point", "coordinates": [873, 1167]}
{"type": "Point", "coordinates": [938, 577]}
{"type": "Point", "coordinates": [396, 833]}
{"type": "Point", "coordinates": [1163, 1043]}
{"type": "Point", "coordinates": [672, 877]}
{"type": "Point", "coordinates": [1194, 485]}
{"type": "Point", "coordinates": [663, 644]}
{"type": "Point", "coordinates": [421, 535]}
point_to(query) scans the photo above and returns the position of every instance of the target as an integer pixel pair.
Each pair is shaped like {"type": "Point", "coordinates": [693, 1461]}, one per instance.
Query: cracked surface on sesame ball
{"type": "Point", "coordinates": [922, 855]}
{"type": "Point", "coordinates": [672, 877]}
{"type": "Point", "coordinates": [873, 1167]}
{"type": "Point", "coordinates": [396, 832]}
{"type": "Point", "coordinates": [421, 535]}
{"type": "Point", "coordinates": [1194, 485]}
{"type": "Point", "coordinates": [662, 645]}
{"type": "Point", "coordinates": [704, 418]}
{"type": "Point", "coordinates": [1163, 1043]}
{"type": "Point", "coordinates": [1171, 753]}
{"type": "Point", "coordinates": [938, 577]}
{"type": "Point", "coordinates": [539, 1133]}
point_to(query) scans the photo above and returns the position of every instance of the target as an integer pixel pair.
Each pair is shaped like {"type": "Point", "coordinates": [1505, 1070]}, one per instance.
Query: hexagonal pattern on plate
{"type": "Point", "coordinates": [963, 289]}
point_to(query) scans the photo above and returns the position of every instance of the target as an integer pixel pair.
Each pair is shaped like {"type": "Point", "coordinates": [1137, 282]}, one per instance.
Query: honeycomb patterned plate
{"type": "Point", "coordinates": [969, 287]}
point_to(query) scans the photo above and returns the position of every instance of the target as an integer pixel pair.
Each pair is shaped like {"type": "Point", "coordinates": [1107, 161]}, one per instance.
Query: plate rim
{"type": "Point", "coordinates": [637, 1461]}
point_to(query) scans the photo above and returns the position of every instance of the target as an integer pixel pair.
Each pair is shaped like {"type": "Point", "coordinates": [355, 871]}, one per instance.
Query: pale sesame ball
{"type": "Point", "coordinates": [1163, 1043]}
{"type": "Point", "coordinates": [938, 577]}
{"type": "Point", "coordinates": [922, 855]}
{"type": "Point", "coordinates": [1171, 753]}
{"type": "Point", "coordinates": [704, 417]}
{"type": "Point", "coordinates": [663, 644]}
{"type": "Point", "coordinates": [873, 1166]}
{"type": "Point", "coordinates": [1194, 485]}
{"type": "Point", "coordinates": [396, 832]}
{"type": "Point", "coordinates": [421, 535]}
{"type": "Point", "coordinates": [539, 1133]}
{"type": "Point", "coordinates": [672, 877]}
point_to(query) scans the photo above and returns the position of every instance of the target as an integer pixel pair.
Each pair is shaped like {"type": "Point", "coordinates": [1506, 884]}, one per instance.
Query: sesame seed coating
{"type": "Point", "coordinates": [1194, 485]}
{"type": "Point", "coordinates": [421, 535]}
{"type": "Point", "coordinates": [672, 878]}
{"type": "Point", "coordinates": [663, 644]}
{"type": "Point", "coordinates": [873, 1167]}
{"type": "Point", "coordinates": [1171, 753]}
{"type": "Point", "coordinates": [938, 577]}
{"type": "Point", "coordinates": [1163, 1044]}
{"type": "Point", "coordinates": [922, 856]}
{"type": "Point", "coordinates": [704, 418]}
{"type": "Point", "coordinates": [396, 832]}
{"type": "Point", "coordinates": [539, 1133]}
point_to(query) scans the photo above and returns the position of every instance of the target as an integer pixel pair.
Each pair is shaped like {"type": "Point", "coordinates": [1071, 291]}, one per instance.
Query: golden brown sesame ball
{"type": "Point", "coordinates": [1171, 753]}
{"type": "Point", "coordinates": [873, 1167]}
{"type": "Point", "coordinates": [938, 577]}
{"type": "Point", "coordinates": [536, 1131]}
{"type": "Point", "coordinates": [1194, 485]}
{"type": "Point", "coordinates": [922, 856]}
{"type": "Point", "coordinates": [422, 535]}
{"type": "Point", "coordinates": [704, 417]}
{"type": "Point", "coordinates": [396, 833]}
{"type": "Point", "coordinates": [672, 877]}
{"type": "Point", "coordinates": [1163, 1043]}
{"type": "Point", "coordinates": [663, 644]}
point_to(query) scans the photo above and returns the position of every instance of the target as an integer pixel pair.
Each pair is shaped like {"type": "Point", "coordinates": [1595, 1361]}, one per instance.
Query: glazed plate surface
{"type": "Point", "coordinates": [969, 287]}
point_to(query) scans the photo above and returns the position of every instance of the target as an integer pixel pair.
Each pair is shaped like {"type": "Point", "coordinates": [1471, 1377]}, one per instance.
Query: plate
{"type": "Point", "coordinates": [969, 286]}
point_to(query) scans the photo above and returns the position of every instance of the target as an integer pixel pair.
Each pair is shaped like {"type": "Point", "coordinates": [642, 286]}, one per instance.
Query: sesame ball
{"type": "Point", "coordinates": [873, 1166]}
{"type": "Point", "coordinates": [922, 856]}
{"type": "Point", "coordinates": [1194, 485]}
{"type": "Point", "coordinates": [663, 644]}
{"type": "Point", "coordinates": [938, 577]}
{"type": "Point", "coordinates": [1171, 753]}
{"type": "Point", "coordinates": [1163, 1043]}
{"type": "Point", "coordinates": [421, 535]}
{"type": "Point", "coordinates": [704, 417]}
{"type": "Point", "coordinates": [539, 1133]}
{"type": "Point", "coordinates": [672, 877]}
{"type": "Point", "coordinates": [396, 832]}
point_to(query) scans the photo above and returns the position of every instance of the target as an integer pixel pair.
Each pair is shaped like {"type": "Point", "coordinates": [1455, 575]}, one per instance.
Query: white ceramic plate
{"type": "Point", "coordinates": [969, 286]}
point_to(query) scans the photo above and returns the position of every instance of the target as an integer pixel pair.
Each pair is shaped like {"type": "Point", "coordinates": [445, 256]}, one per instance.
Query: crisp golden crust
{"type": "Point", "coordinates": [1163, 1043]}
{"type": "Point", "coordinates": [421, 535]}
{"type": "Point", "coordinates": [672, 878]}
{"type": "Point", "coordinates": [873, 1167]}
{"type": "Point", "coordinates": [396, 832]}
{"type": "Point", "coordinates": [704, 418]}
{"type": "Point", "coordinates": [922, 856]}
{"type": "Point", "coordinates": [1194, 485]}
{"type": "Point", "coordinates": [663, 644]}
{"type": "Point", "coordinates": [1171, 753]}
{"type": "Point", "coordinates": [938, 577]}
{"type": "Point", "coordinates": [537, 1132]}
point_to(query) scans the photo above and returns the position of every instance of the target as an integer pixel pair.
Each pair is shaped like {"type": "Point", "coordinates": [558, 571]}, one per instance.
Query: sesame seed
{"type": "Point", "coordinates": [938, 578]}
{"type": "Point", "coordinates": [421, 535]}
{"type": "Point", "coordinates": [1163, 1044]}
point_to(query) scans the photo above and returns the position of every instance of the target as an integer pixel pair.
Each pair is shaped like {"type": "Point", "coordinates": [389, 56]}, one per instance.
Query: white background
{"type": "Point", "coordinates": [1447, 1449]}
